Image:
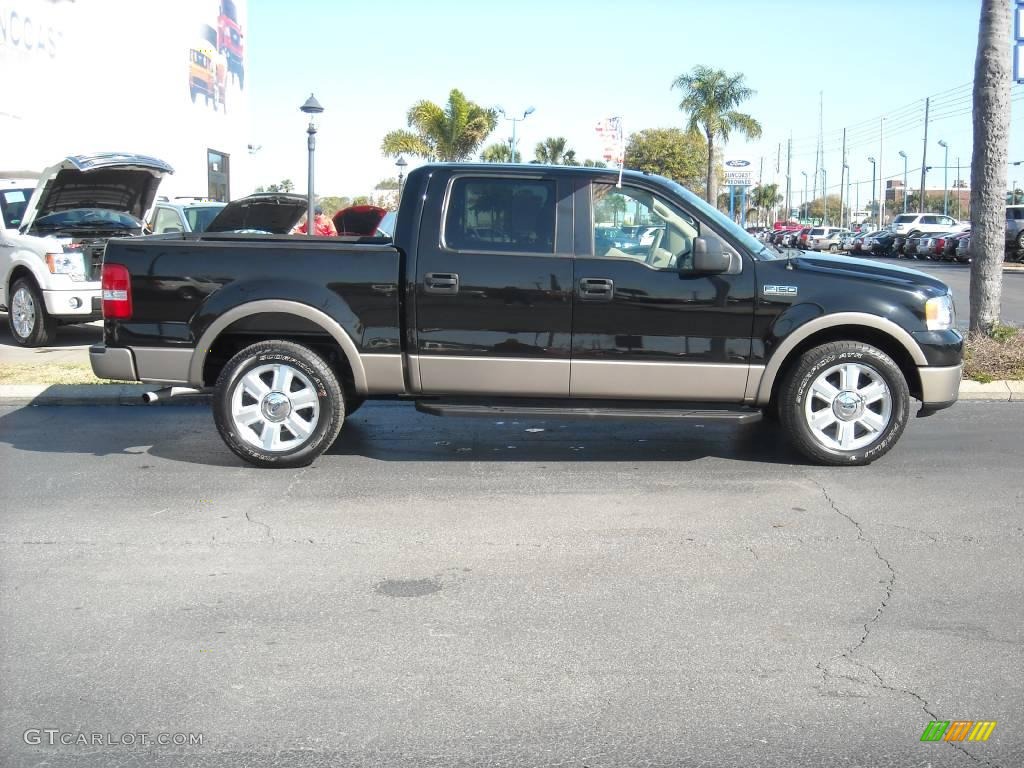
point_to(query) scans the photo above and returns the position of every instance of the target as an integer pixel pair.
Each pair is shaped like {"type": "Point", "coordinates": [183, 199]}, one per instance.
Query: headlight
{"type": "Point", "coordinates": [72, 263]}
{"type": "Point", "coordinates": [939, 313]}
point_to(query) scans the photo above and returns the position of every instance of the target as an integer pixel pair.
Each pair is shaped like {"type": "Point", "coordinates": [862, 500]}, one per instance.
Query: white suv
{"type": "Point", "coordinates": [921, 223]}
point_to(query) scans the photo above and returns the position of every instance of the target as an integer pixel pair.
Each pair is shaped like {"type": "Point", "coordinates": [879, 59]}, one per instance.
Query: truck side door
{"type": "Point", "coordinates": [493, 295]}
{"type": "Point", "coordinates": [643, 328]}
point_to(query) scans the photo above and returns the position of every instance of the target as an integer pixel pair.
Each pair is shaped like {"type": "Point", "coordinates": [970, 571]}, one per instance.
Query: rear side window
{"type": "Point", "coordinates": [817, 231]}
{"type": "Point", "coordinates": [903, 219]}
{"type": "Point", "coordinates": [502, 215]}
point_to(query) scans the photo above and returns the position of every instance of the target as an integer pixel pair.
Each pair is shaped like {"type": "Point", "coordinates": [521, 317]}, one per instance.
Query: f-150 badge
{"type": "Point", "coordinates": [780, 290]}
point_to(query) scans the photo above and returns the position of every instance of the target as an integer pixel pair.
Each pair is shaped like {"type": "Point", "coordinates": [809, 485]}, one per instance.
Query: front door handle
{"type": "Point", "coordinates": [441, 282]}
{"type": "Point", "coordinates": [597, 289]}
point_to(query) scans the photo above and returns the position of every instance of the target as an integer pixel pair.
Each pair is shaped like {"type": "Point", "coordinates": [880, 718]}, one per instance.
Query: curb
{"type": "Point", "coordinates": [131, 394]}
{"type": "Point", "coordinates": [993, 390]}
{"type": "Point", "coordinates": [86, 394]}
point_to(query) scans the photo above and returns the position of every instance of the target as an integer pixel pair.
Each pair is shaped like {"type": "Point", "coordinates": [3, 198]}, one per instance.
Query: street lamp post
{"type": "Point", "coordinates": [512, 142]}
{"type": "Point", "coordinates": [312, 108]}
{"type": "Point", "coordinates": [904, 156]}
{"type": "Point", "coordinates": [807, 203]}
{"type": "Point", "coordinates": [945, 179]}
{"type": "Point", "coordinates": [874, 165]}
{"type": "Point", "coordinates": [400, 165]}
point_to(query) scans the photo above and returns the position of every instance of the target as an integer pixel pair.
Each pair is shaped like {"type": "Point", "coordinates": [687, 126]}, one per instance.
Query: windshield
{"type": "Point", "coordinates": [199, 218]}
{"type": "Point", "coordinates": [723, 223]}
{"type": "Point", "coordinates": [86, 218]}
{"type": "Point", "coordinates": [12, 205]}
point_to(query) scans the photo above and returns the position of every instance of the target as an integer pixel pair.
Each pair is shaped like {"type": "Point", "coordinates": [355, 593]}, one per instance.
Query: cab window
{"type": "Point", "coordinates": [633, 223]}
{"type": "Point", "coordinates": [501, 215]}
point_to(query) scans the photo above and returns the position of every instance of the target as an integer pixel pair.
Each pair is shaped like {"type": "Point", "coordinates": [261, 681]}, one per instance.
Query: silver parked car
{"type": "Point", "coordinates": [825, 238]}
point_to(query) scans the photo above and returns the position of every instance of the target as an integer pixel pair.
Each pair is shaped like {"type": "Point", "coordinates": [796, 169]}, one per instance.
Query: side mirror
{"type": "Point", "coordinates": [708, 258]}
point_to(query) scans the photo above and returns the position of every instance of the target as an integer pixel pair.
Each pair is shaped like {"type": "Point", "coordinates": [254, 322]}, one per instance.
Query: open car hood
{"type": "Point", "coordinates": [359, 220]}
{"type": "Point", "coordinates": [114, 181]}
{"type": "Point", "coordinates": [271, 212]}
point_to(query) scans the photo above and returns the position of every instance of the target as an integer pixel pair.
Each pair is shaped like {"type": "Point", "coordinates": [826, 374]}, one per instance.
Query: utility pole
{"type": "Point", "coordinates": [924, 156]}
{"type": "Point", "coordinates": [842, 177]}
{"type": "Point", "coordinates": [958, 188]}
{"type": "Point", "coordinates": [819, 152]}
{"type": "Point", "coordinates": [881, 177]}
{"type": "Point", "coordinates": [789, 160]}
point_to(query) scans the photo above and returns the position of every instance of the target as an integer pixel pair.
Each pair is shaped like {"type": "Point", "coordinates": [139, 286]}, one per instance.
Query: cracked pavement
{"type": "Point", "coordinates": [443, 592]}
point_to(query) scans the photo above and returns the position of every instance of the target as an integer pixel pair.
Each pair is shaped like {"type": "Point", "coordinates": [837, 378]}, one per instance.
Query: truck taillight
{"type": "Point", "coordinates": [117, 292]}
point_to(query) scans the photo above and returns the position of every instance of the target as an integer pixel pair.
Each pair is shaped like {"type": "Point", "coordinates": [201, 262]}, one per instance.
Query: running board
{"type": "Point", "coordinates": [736, 415]}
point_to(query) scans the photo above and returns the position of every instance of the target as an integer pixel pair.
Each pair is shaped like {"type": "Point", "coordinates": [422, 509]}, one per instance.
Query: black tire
{"type": "Point", "coordinates": [42, 326]}
{"type": "Point", "coordinates": [796, 389]}
{"type": "Point", "coordinates": [1020, 240]}
{"type": "Point", "coordinates": [301, 363]}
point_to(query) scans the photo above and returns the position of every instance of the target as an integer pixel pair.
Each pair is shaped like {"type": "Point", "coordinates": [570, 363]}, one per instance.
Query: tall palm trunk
{"type": "Point", "coordinates": [710, 192]}
{"type": "Point", "coordinates": [988, 163]}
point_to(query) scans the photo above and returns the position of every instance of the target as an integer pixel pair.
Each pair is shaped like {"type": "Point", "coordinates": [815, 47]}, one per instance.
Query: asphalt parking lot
{"type": "Point", "coordinates": [443, 592]}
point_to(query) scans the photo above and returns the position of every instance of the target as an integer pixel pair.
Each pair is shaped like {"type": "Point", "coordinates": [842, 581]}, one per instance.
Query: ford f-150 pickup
{"type": "Point", "coordinates": [497, 295]}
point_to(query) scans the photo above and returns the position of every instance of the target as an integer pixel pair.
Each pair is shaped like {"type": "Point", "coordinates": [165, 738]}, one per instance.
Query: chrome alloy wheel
{"type": "Point", "coordinates": [848, 407]}
{"type": "Point", "coordinates": [275, 407]}
{"type": "Point", "coordinates": [23, 312]}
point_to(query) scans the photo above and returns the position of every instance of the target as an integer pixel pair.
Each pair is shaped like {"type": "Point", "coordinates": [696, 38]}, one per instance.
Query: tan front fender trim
{"type": "Point", "coordinates": [818, 324]}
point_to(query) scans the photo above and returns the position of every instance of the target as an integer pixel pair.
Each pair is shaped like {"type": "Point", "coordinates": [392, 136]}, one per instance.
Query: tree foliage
{"type": "Point", "coordinates": [285, 185]}
{"type": "Point", "coordinates": [670, 152]}
{"type": "Point", "coordinates": [710, 99]}
{"type": "Point", "coordinates": [450, 133]}
{"type": "Point", "coordinates": [553, 151]}
{"type": "Point", "coordinates": [496, 153]}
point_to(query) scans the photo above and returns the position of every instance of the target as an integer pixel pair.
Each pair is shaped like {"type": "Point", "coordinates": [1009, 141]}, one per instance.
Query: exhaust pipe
{"type": "Point", "coordinates": [169, 393]}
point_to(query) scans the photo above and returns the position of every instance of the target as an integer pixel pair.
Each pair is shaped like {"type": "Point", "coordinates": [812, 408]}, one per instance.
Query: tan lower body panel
{"type": "Point", "coordinates": [509, 376]}
{"type": "Point", "coordinates": [384, 374]}
{"type": "Point", "coordinates": [659, 381]}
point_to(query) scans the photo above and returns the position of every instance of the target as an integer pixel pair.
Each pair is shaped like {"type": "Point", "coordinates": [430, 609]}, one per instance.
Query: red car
{"type": "Point", "coordinates": [229, 40]}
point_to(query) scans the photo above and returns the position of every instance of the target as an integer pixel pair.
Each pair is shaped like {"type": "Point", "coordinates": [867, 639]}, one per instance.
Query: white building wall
{"type": "Point", "coordinates": [113, 75]}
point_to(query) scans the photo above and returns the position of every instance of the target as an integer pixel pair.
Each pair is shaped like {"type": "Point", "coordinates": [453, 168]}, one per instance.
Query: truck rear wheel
{"type": "Point", "coordinates": [31, 325]}
{"type": "Point", "coordinates": [844, 403]}
{"type": "Point", "coordinates": [278, 404]}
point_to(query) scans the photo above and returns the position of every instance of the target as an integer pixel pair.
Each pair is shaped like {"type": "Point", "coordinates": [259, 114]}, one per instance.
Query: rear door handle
{"type": "Point", "coordinates": [597, 289]}
{"type": "Point", "coordinates": [441, 282]}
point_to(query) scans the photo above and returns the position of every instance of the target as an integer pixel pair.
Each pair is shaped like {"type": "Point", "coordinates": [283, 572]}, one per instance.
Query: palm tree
{"type": "Point", "coordinates": [496, 153]}
{"type": "Point", "coordinates": [450, 133]}
{"type": "Point", "coordinates": [766, 197]}
{"type": "Point", "coordinates": [988, 164]}
{"type": "Point", "coordinates": [710, 96]}
{"type": "Point", "coordinates": [552, 151]}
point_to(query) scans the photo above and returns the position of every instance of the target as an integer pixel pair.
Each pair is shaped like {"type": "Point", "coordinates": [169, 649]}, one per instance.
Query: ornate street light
{"type": "Point", "coordinates": [312, 108]}
{"type": "Point", "coordinates": [400, 165]}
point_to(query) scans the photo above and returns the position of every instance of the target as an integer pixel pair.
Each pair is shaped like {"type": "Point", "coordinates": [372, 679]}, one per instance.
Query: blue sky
{"type": "Point", "coordinates": [576, 62]}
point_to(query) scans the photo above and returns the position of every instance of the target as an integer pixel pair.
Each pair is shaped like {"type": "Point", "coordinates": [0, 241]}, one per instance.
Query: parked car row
{"type": "Point", "coordinates": [910, 236]}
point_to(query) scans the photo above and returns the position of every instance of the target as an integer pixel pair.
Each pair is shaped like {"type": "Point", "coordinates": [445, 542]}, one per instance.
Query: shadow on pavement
{"type": "Point", "coordinates": [392, 433]}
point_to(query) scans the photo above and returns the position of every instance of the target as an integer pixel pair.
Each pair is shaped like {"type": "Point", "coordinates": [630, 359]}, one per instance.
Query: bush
{"type": "Point", "coordinates": [996, 356]}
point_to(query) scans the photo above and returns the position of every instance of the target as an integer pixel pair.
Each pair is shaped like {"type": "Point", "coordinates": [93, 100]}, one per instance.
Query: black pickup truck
{"type": "Point", "coordinates": [511, 289]}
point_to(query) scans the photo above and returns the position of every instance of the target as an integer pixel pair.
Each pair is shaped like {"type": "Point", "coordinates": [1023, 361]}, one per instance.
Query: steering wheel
{"type": "Point", "coordinates": [655, 244]}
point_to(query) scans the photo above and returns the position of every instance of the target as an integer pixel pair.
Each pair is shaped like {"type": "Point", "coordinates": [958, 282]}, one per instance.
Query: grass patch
{"type": "Point", "coordinates": [50, 373]}
{"type": "Point", "coordinates": [995, 357]}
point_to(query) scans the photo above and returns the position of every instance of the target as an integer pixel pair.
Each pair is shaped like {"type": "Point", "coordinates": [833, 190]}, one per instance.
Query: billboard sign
{"type": "Point", "coordinates": [1018, 45]}
{"type": "Point", "coordinates": [739, 173]}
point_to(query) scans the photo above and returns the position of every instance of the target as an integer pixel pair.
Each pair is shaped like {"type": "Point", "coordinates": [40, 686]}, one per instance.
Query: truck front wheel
{"type": "Point", "coordinates": [30, 323]}
{"type": "Point", "coordinates": [278, 404]}
{"type": "Point", "coordinates": [844, 403]}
